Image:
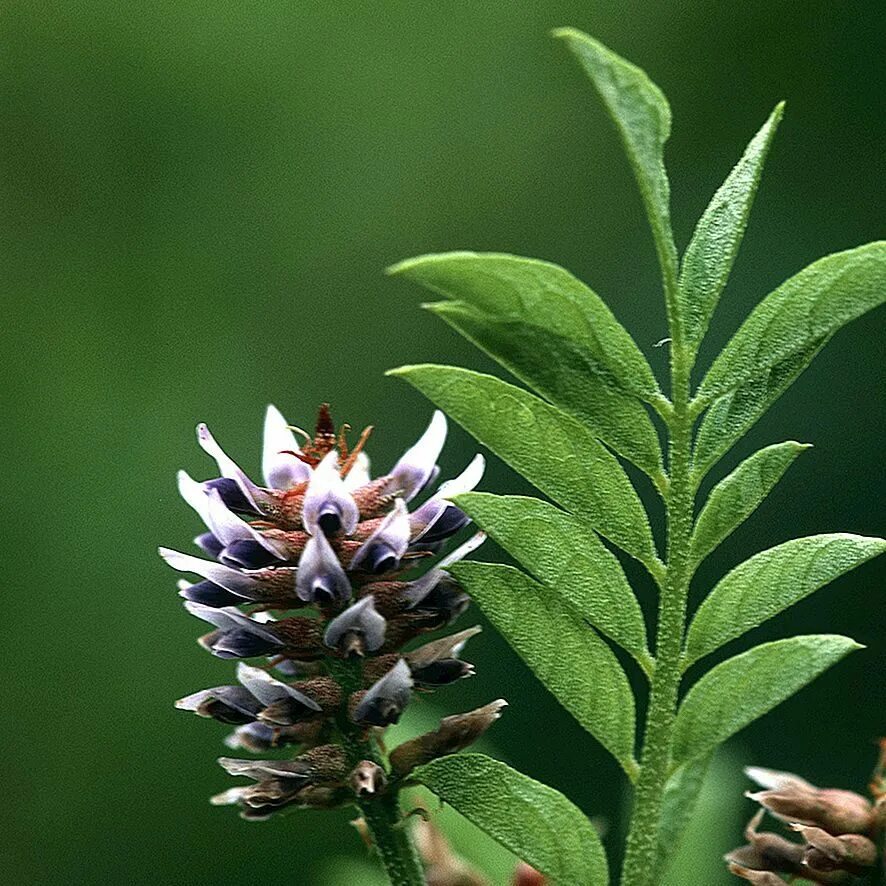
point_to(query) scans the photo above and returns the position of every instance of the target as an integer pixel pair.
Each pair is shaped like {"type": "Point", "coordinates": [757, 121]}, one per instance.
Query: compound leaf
{"type": "Point", "coordinates": [743, 688]}
{"type": "Point", "coordinates": [770, 582]}
{"type": "Point", "coordinates": [564, 554]}
{"type": "Point", "coordinates": [534, 821]}
{"type": "Point", "coordinates": [567, 655]}
{"type": "Point", "coordinates": [798, 317]}
{"type": "Point", "coordinates": [737, 496]}
{"type": "Point", "coordinates": [551, 449]}
{"type": "Point", "coordinates": [711, 252]}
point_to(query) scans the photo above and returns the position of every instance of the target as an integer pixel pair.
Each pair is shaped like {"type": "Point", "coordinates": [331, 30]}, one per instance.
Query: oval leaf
{"type": "Point", "coordinates": [643, 119]}
{"type": "Point", "coordinates": [736, 497]}
{"type": "Point", "coordinates": [522, 292]}
{"type": "Point", "coordinates": [711, 252]}
{"type": "Point", "coordinates": [534, 821]}
{"type": "Point", "coordinates": [801, 314]}
{"type": "Point", "coordinates": [741, 689]}
{"type": "Point", "coordinates": [770, 582]}
{"type": "Point", "coordinates": [572, 661]}
{"type": "Point", "coordinates": [559, 370]}
{"type": "Point", "coordinates": [552, 450]}
{"type": "Point", "coordinates": [565, 555]}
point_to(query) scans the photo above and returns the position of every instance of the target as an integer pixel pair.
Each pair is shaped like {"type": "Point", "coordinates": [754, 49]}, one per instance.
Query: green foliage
{"type": "Point", "coordinates": [532, 820]}
{"type": "Point", "coordinates": [554, 334]}
{"type": "Point", "coordinates": [743, 688]}
{"type": "Point", "coordinates": [737, 496]}
{"type": "Point", "coordinates": [770, 582]}
{"type": "Point", "coordinates": [596, 395]}
{"type": "Point", "coordinates": [711, 252]}
{"type": "Point", "coordinates": [551, 449]}
{"type": "Point", "coordinates": [567, 556]}
{"type": "Point", "coordinates": [565, 653]}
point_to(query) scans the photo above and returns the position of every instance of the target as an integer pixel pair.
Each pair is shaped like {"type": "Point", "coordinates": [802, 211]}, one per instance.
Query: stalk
{"type": "Point", "coordinates": [381, 812]}
{"type": "Point", "coordinates": [655, 759]}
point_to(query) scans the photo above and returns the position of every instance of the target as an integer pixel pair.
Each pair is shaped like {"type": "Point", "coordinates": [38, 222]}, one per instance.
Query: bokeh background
{"type": "Point", "coordinates": [198, 201]}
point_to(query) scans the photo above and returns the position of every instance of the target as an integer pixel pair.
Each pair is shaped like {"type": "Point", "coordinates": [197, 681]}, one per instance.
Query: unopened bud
{"type": "Point", "coordinates": [760, 878]}
{"type": "Point", "coordinates": [766, 851]}
{"type": "Point", "coordinates": [825, 852]}
{"type": "Point", "coordinates": [836, 811]}
{"type": "Point", "coordinates": [524, 875]}
{"type": "Point", "coordinates": [367, 778]}
{"type": "Point", "coordinates": [454, 734]}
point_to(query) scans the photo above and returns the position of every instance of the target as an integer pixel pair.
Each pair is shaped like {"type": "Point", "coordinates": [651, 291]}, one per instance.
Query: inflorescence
{"type": "Point", "coordinates": [324, 538]}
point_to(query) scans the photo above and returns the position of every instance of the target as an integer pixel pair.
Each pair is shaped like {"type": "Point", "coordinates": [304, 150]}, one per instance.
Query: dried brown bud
{"type": "Point", "coordinates": [367, 778]}
{"type": "Point", "coordinates": [836, 811]}
{"type": "Point", "coordinates": [454, 734]}
{"type": "Point", "coordinates": [524, 875]}
{"type": "Point", "coordinates": [760, 878]}
{"type": "Point", "coordinates": [443, 867]}
{"type": "Point", "coordinates": [825, 852]}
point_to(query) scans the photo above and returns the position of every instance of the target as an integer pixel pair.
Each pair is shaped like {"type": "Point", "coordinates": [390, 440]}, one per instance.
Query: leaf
{"type": "Point", "coordinates": [567, 557]}
{"type": "Point", "coordinates": [552, 450]}
{"type": "Point", "coordinates": [572, 661]}
{"type": "Point", "coordinates": [770, 582]}
{"type": "Point", "coordinates": [711, 252]}
{"type": "Point", "coordinates": [736, 497]}
{"type": "Point", "coordinates": [743, 688]}
{"type": "Point", "coordinates": [731, 416]}
{"type": "Point", "coordinates": [534, 821]}
{"type": "Point", "coordinates": [560, 371]}
{"type": "Point", "coordinates": [679, 802]}
{"type": "Point", "coordinates": [799, 317]}
{"type": "Point", "coordinates": [544, 296]}
{"type": "Point", "coordinates": [643, 119]}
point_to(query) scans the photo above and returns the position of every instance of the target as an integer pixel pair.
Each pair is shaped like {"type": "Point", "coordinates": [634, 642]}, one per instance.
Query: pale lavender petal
{"type": "Point", "coordinates": [227, 619]}
{"type": "Point", "coordinates": [255, 495]}
{"type": "Point", "coordinates": [386, 698]}
{"type": "Point", "coordinates": [417, 464]}
{"type": "Point", "coordinates": [228, 527]}
{"type": "Point", "coordinates": [232, 580]}
{"type": "Point", "coordinates": [361, 618]}
{"type": "Point", "coordinates": [359, 474]}
{"type": "Point", "coordinates": [194, 494]}
{"type": "Point", "coordinates": [320, 576]}
{"type": "Point", "coordinates": [466, 481]}
{"type": "Point", "coordinates": [775, 780]}
{"type": "Point", "coordinates": [383, 549]}
{"type": "Point", "coordinates": [328, 504]}
{"type": "Point", "coordinates": [269, 690]}
{"type": "Point", "coordinates": [421, 587]}
{"type": "Point", "coordinates": [281, 470]}
{"type": "Point", "coordinates": [230, 797]}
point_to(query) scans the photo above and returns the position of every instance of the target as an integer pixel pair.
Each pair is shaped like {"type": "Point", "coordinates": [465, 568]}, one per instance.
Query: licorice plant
{"type": "Point", "coordinates": [596, 400]}
{"type": "Point", "coordinates": [321, 534]}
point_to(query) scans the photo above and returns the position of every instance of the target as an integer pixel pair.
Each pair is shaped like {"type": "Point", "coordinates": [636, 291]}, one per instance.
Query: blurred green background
{"type": "Point", "coordinates": [198, 200]}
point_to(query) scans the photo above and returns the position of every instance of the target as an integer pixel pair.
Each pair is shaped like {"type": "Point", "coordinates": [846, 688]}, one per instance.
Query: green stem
{"type": "Point", "coordinates": [381, 812]}
{"type": "Point", "coordinates": [655, 761]}
{"type": "Point", "coordinates": [391, 840]}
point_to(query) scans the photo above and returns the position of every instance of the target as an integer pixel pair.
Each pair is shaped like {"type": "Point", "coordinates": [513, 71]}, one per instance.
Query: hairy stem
{"type": "Point", "coordinates": [381, 811]}
{"type": "Point", "coordinates": [391, 840]}
{"type": "Point", "coordinates": [655, 759]}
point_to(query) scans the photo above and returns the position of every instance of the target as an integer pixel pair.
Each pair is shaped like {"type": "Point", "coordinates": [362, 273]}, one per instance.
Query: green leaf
{"type": "Point", "coordinates": [560, 371]}
{"type": "Point", "coordinates": [568, 656]}
{"type": "Point", "coordinates": [741, 689]}
{"type": "Point", "coordinates": [566, 556]}
{"type": "Point", "coordinates": [534, 821]}
{"type": "Point", "coordinates": [547, 298]}
{"type": "Point", "coordinates": [736, 497]}
{"type": "Point", "coordinates": [711, 252]}
{"type": "Point", "coordinates": [799, 317]}
{"type": "Point", "coordinates": [643, 119]}
{"type": "Point", "coordinates": [731, 416]}
{"type": "Point", "coordinates": [552, 450]}
{"type": "Point", "coordinates": [679, 802]}
{"type": "Point", "coordinates": [770, 582]}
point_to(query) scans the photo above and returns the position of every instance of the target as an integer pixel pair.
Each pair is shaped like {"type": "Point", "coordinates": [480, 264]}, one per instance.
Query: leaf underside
{"type": "Point", "coordinates": [534, 821]}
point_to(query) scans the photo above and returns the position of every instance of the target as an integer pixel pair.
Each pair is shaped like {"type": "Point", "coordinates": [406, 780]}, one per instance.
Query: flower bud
{"type": "Point", "coordinates": [454, 734]}
{"type": "Point", "coordinates": [836, 811]}
{"type": "Point", "coordinates": [367, 778]}
{"type": "Point", "coordinates": [825, 852]}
